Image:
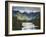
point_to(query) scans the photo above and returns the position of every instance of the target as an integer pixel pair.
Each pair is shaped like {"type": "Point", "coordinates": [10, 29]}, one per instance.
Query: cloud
{"type": "Point", "coordinates": [21, 11]}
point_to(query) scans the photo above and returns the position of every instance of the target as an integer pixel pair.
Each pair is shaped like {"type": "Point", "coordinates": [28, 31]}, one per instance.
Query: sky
{"type": "Point", "coordinates": [26, 9]}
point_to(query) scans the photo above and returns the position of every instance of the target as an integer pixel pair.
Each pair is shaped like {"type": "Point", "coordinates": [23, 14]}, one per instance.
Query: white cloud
{"type": "Point", "coordinates": [22, 11]}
